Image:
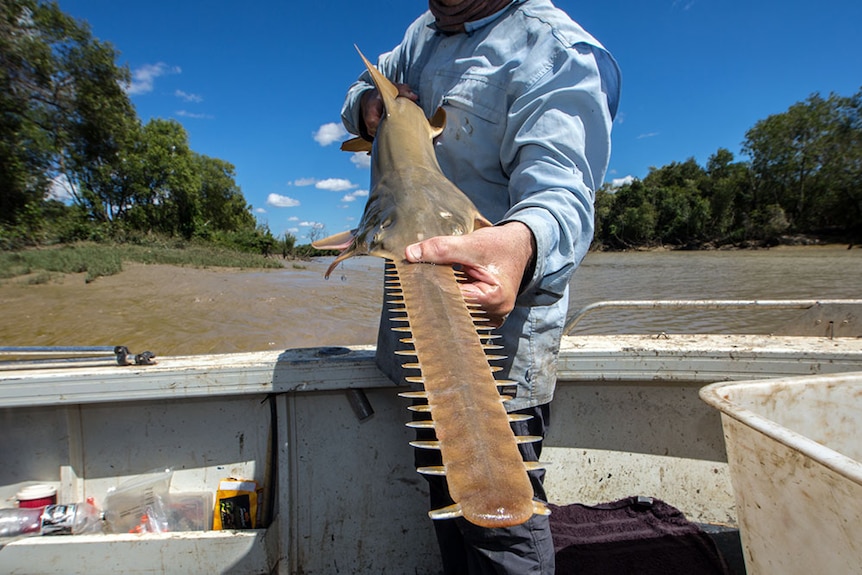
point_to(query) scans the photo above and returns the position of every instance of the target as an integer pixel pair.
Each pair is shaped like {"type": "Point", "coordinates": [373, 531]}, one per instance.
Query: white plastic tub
{"type": "Point", "coordinates": [794, 448]}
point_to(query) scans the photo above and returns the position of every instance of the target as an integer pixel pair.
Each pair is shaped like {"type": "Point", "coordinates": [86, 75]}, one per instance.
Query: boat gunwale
{"type": "Point", "coordinates": [620, 358]}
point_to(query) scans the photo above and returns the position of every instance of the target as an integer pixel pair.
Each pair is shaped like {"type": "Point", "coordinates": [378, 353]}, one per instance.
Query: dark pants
{"type": "Point", "coordinates": [470, 549]}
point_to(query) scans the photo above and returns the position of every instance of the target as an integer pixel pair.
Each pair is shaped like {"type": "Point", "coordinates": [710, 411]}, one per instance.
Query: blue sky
{"type": "Point", "coordinates": [260, 84]}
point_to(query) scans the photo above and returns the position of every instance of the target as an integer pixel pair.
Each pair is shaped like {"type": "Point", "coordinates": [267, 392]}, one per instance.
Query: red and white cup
{"type": "Point", "coordinates": [37, 496]}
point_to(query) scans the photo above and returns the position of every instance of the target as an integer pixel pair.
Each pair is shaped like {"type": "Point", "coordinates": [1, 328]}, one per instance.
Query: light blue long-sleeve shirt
{"type": "Point", "coordinates": [530, 98]}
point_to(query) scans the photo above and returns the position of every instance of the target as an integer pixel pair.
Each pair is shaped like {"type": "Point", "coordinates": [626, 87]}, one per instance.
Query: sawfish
{"type": "Point", "coordinates": [411, 200]}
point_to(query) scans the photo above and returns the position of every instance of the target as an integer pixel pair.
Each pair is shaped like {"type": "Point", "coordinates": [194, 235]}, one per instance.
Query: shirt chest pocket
{"type": "Point", "coordinates": [476, 107]}
{"type": "Point", "coordinates": [473, 93]}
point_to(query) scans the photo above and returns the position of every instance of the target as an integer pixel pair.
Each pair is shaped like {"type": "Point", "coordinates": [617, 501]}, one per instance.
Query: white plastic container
{"type": "Point", "coordinates": [794, 448]}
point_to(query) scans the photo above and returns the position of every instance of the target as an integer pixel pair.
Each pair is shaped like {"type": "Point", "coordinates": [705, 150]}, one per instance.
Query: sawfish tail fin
{"type": "Point", "coordinates": [388, 93]}
{"type": "Point", "coordinates": [388, 90]}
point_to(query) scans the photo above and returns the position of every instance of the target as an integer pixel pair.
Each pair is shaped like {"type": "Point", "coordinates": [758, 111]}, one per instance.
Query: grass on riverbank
{"type": "Point", "coordinates": [107, 259]}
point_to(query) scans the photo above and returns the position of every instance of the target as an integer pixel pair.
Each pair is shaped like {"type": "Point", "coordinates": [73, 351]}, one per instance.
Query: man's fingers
{"type": "Point", "coordinates": [442, 250]}
{"type": "Point", "coordinates": [372, 106]}
{"type": "Point", "coordinates": [405, 91]}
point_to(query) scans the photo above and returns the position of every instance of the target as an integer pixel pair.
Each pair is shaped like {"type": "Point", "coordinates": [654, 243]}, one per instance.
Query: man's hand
{"type": "Point", "coordinates": [494, 260]}
{"type": "Point", "coordinates": [371, 106]}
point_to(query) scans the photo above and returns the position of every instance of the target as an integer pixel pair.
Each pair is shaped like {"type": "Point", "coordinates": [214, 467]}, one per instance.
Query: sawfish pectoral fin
{"type": "Point", "coordinates": [340, 241]}
{"type": "Point", "coordinates": [481, 222]}
{"type": "Point", "coordinates": [356, 145]}
{"type": "Point", "coordinates": [448, 512]}
{"type": "Point", "coordinates": [454, 511]}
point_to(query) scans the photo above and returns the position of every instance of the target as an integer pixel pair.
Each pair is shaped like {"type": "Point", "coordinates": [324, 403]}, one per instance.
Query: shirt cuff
{"type": "Point", "coordinates": [546, 235]}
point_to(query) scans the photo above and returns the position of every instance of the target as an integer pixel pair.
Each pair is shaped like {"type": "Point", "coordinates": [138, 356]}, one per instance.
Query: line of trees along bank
{"type": "Point", "coordinates": [804, 177]}
{"type": "Point", "coordinates": [67, 122]}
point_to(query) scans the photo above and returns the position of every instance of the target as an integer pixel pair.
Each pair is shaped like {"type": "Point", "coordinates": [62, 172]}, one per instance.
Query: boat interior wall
{"type": "Point", "coordinates": [350, 487]}
{"type": "Point", "coordinates": [618, 439]}
{"type": "Point", "coordinates": [827, 320]}
{"type": "Point", "coordinates": [646, 417]}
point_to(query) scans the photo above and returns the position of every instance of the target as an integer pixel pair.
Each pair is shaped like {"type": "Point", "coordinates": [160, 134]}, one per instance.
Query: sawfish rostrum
{"type": "Point", "coordinates": [411, 200]}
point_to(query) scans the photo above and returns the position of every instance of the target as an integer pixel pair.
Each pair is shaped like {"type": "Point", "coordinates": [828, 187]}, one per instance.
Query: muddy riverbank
{"type": "Point", "coordinates": [177, 311]}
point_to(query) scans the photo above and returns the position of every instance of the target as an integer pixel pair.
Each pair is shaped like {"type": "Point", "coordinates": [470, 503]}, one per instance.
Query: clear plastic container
{"type": "Point", "coordinates": [71, 519]}
{"type": "Point", "coordinates": [16, 521]}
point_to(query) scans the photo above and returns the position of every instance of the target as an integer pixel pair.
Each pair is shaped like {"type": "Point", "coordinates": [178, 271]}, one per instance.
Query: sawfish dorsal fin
{"type": "Point", "coordinates": [438, 122]}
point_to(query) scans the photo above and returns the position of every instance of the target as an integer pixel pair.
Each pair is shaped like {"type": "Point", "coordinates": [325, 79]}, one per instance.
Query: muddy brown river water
{"type": "Point", "coordinates": [179, 311]}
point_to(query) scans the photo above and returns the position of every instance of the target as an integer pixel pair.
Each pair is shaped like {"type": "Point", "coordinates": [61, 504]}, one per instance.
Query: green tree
{"type": "Point", "coordinates": [842, 164]}
{"type": "Point", "coordinates": [676, 193]}
{"type": "Point", "coordinates": [62, 109]}
{"type": "Point", "coordinates": [632, 219]}
{"type": "Point", "coordinates": [604, 205]}
{"type": "Point", "coordinates": [288, 245]}
{"type": "Point", "coordinates": [162, 181]}
{"type": "Point", "coordinates": [807, 162]}
{"type": "Point", "coordinates": [102, 130]}
{"type": "Point", "coordinates": [28, 114]}
{"type": "Point", "coordinates": [728, 193]}
{"type": "Point", "coordinates": [64, 114]}
{"type": "Point", "coordinates": [222, 205]}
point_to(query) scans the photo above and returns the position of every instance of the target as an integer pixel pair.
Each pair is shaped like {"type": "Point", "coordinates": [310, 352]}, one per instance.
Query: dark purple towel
{"type": "Point", "coordinates": [632, 536]}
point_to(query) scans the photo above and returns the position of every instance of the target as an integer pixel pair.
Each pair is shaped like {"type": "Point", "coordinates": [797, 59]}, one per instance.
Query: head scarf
{"type": "Point", "coordinates": [451, 15]}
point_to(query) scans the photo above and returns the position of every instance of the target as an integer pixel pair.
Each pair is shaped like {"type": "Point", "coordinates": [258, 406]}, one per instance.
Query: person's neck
{"type": "Point", "coordinates": [451, 16]}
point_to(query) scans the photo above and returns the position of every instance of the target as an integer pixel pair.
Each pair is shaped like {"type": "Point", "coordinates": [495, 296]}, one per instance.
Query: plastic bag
{"type": "Point", "coordinates": [139, 504]}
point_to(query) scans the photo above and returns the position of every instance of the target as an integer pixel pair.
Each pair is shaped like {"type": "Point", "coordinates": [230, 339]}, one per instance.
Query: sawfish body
{"type": "Point", "coordinates": [411, 200]}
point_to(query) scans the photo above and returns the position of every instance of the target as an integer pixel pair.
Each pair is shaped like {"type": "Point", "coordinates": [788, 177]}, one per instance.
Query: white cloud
{"type": "Point", "coordinates": [188, 97]}
{"type": "Point", "coordinates": [279, 201]}
{"type": "Point", "coordinates": [144, 77]}
{"type": "Point", "coordinates": [293, 219]}
{"type": "Point", "coordinates": [335, 185]}
{"type": "Point", "coordinates": [361, 160]}
{"type": "Point", "coordinates": [303, 182]}
{"type": "Point", "coordinates": [193, 115]}
{"type": "Point", "coordinates": [617, 183]}
{"type": "Point", "coordinates": [259, 211]}
{"type": "Point", "coordinates": [648, 135]}
{"type": "Point", "coordinates": [329, 133]}
{"type": "Point", "coordinates": [313, 225]}
{"type": "Point", "coordinates": [353, 195]}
